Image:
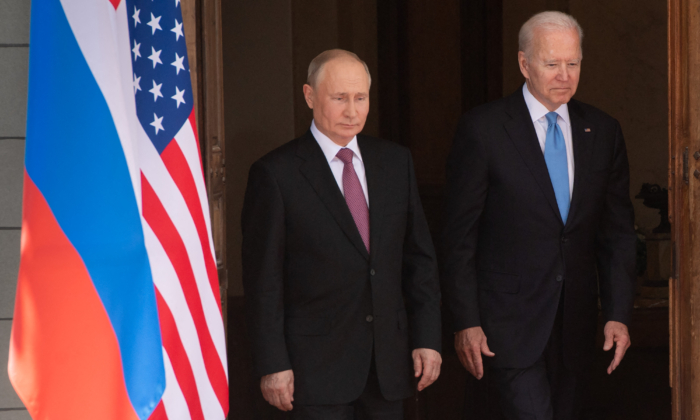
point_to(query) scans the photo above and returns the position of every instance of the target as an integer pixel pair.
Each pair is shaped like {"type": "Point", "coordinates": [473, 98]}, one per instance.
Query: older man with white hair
{"type": "Point", "coordinates": [538, 224]}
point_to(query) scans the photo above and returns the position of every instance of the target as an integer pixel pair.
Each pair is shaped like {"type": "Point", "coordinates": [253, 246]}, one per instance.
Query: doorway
{"type": "Point", "coordinates": [432, 61]}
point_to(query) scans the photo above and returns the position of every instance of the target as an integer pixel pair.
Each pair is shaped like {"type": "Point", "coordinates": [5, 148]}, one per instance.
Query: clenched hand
{"type": "Point", "coordinates": [278, 389]}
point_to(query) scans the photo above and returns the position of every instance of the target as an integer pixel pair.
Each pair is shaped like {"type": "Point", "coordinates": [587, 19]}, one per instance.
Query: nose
{"type": "Point", "coordinates": [563, 73]}
{"type": "Point", "coordinates": [350, 109]}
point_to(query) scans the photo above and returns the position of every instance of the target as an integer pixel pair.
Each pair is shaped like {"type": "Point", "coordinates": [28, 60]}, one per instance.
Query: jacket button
{"type": "Point", "coordinates": [369, 318]}
{"type": "Point", "coordinates": [564, 239]}
{"type": "Point", "coordinates": [372, 272]}
{"type": "Point", "coordinates": [560, 277]}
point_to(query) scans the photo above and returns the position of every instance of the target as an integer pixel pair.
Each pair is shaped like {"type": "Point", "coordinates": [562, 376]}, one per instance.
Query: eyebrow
{"type": "Point", "coordinates": [568, 61]}
{"type": "Point", "coordinates": [345, 93]}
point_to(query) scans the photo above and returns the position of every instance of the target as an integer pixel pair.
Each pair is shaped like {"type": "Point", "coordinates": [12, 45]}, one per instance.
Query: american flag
{"type": "Point", "coordinates": [177, 226]}
{"type": "Point", "coordinates": [117, 312]}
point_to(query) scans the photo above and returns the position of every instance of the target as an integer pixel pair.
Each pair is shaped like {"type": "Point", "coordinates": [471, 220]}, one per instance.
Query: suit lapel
{"type": "Point", "coordinates": [374, 173]}
{"type": "Point", "coordinates": [582, 136]}
{"type": "Point", "coordinates": [316, 170]}
{"type": "Point", "coordinates": [529, 147]}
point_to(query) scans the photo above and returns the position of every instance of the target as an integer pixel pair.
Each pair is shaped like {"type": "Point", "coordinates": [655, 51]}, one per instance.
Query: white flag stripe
{"type": "Point", "coordinates": [103, 37]}
{"type": "Point", "coordinates": [167, 191]}
{"type": "Point", "coordinates": [188, 144]}
{"type": "Point", "coordinates": [165, 279]}
{"type": "Point", "coordinates": [173, 398]}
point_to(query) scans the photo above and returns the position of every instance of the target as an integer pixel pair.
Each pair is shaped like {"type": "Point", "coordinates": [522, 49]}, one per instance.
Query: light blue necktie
{"type": "Point", "coordinates": [555, 157]}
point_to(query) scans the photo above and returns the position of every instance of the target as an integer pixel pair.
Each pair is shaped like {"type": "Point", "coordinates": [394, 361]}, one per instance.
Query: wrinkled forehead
{"type": "Point", "coordinates": [557, 44]}
{"type": "Point", "coordinates": [343, 70]}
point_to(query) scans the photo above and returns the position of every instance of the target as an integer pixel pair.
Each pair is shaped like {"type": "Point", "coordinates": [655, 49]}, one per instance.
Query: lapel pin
{"type": "Point", "coordinates": [587, 130]}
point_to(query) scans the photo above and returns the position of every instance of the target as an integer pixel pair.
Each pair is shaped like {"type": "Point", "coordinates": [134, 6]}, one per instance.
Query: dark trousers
{"type": "Point", "coordinates": [371, 405]}
{"type": "Point", "coordinates": [546, 390]}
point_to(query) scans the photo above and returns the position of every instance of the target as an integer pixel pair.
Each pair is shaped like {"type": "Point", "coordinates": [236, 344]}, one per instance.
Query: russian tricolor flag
{"type": "Point", "coordinates": [117, 312]}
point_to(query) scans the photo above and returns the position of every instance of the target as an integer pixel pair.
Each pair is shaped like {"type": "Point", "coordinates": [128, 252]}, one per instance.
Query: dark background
{"type": "Point", "coordinates": [431, 61]}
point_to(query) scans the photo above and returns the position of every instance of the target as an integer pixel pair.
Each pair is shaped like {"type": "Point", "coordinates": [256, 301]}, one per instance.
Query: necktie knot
{"type": "Point", "coordinates": [552, 118]}
{"type": "Point", "coordinates": [345, 155]}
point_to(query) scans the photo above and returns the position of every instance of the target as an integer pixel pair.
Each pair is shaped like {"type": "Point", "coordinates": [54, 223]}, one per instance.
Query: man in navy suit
{"type": "Point", "coordinates": [539, 223]}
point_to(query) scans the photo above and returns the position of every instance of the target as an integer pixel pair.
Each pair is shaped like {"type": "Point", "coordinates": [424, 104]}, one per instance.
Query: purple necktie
{"type": "Point", "coordinates": [354, 196]}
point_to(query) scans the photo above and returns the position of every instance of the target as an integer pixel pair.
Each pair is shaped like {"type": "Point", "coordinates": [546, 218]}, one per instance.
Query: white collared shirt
{"type": "Point", "coordinates": [538, 113]}
{"type": "Point", "coordinates": [331, 149]}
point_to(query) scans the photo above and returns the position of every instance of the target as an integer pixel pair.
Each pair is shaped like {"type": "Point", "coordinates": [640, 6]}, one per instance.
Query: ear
{"type": "Point", "coordinates": [309, 96]}
{"type": "Point", "coordinates": [524, 65]}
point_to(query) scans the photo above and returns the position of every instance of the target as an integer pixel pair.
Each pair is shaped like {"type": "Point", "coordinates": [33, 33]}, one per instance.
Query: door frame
{"type": "Point", "coordinates": [684, 191]}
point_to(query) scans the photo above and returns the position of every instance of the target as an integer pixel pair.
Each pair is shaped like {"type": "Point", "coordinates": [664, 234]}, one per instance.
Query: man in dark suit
{"type": "Point", "coordinates": [539, 223]}
{"type": "Point", "coordinates": [339, 269]}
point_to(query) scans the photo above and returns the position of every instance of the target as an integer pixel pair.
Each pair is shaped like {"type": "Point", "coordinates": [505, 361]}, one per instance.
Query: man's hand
{"type": "Point", "coordinates": [426, 362]}
{"type": "Point", "coordinates": [278, 389]}
{"type": "Point", "coordinates": [616, 333]}
{"type": "Point", "coordinates": [470, 345]}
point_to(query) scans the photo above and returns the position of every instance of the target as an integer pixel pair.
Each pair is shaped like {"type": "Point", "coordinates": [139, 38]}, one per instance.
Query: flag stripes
{"type": "Point", "coordinates": [125, 204]}
{"type": "Point", "coordinates": [167, 233]}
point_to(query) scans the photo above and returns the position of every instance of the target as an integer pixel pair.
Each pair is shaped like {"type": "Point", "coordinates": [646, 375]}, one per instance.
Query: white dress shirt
{"type": "Point", "coordinates": [331, 149]}
{"type": "Point", "coordinates": [538, 113]}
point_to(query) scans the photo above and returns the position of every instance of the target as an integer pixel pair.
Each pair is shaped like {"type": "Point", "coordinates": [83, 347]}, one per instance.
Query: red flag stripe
{"type": "Point", "coordinates": [181, 364]}
{"type": "Point", "coordinates": [177, 166]}
{"type": "Point", "coordinates": [189, 144]}
{"type": "Point", "coordinates": [164, 229]}
{"type": "Point", "coordinates": [159, 413]}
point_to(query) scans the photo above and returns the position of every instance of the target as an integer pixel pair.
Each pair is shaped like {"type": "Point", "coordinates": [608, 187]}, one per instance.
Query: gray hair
{"type": "Point", "coordinates": [317, 64]}
{"type": "Point", "coordinates": [549, 21]}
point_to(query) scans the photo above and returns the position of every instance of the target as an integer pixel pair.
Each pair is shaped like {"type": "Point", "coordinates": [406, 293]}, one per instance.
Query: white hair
{"type": "Point", "coordinates": [317, 64]}
{"type": "Point", "coordinates": [549, 21]}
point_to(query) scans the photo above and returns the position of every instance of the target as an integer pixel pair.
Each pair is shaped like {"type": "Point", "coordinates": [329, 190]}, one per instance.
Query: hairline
{"type": "Point", "coordinates": [549, 21]}
{"type": "Point", "coordinates": [318, 64]}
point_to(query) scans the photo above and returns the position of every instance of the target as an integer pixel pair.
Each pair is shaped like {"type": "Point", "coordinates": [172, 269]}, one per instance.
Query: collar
{"type": "Point", "coordinates": [538, 111]}
{"type": "Point", "coordinates": [330, 148]}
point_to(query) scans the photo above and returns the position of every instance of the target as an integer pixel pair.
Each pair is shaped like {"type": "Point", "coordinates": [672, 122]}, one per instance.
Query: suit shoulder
{"type": "Point", "coordinates": [386, 147]}
{"type": "Point", "coordinates": [279, 156]}
{"type": "Point", "coordinates": [593, 114]}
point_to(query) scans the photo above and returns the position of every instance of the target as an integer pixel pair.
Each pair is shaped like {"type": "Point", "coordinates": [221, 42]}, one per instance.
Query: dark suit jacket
{"type": "Point", "coordinates": [509, 256]}
{"type": "Point", "coordinates": [311, 286]}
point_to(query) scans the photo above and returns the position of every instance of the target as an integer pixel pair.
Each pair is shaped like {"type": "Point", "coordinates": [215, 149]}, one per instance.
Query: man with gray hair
{"type": "Point", "coordinates": [538, 224]}
{"type": "Point", "coordinates": [339, 270]}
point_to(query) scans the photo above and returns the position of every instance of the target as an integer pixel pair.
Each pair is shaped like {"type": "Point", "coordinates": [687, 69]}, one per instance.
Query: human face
{"type": "Point", "coordinates": [340, 101]}
{"type": "Point", "coordinates": [552, 71]}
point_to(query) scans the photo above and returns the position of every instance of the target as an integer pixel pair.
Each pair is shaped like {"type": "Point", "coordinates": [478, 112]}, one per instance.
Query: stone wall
{"type": "Point", "coordinates": [14, 52]}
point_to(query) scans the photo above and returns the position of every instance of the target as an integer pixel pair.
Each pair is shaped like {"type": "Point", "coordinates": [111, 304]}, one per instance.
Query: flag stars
{"type": "Point", "coordinates": [177, 30]}
{"type": "Point", "coordinates": [136, 14]}
{"type": "Point", "coordinates": [137, 83]}
{"type": "Point", "coordinates": [178, 63]}
{"type": "Point", "coordinates": [157, 123]}
{"type": "Point", "coordinates": [156, 92]}
{"type": "Point", "coordinates": [154, 24]}
{"type": "Point", "coordinates": [136, 50]}
{"type": "Point", "coordinates": [179, 96]}
{"type": "Point", "coordinates": [155, 57]}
